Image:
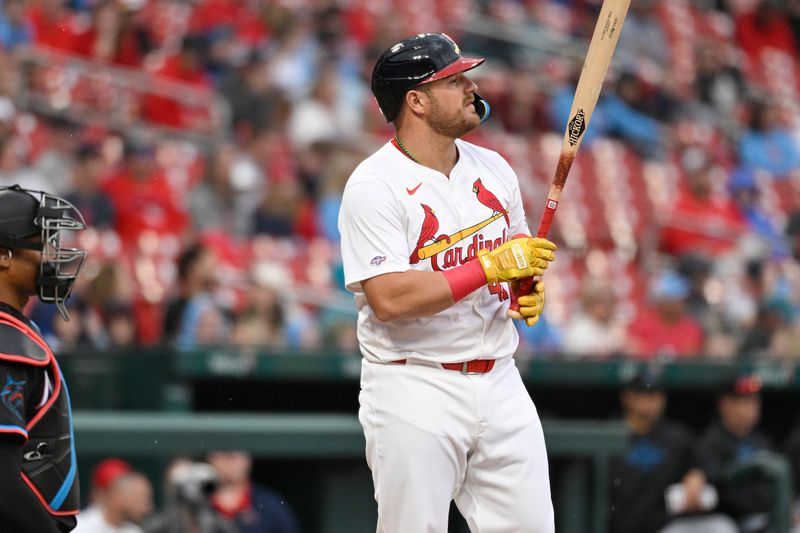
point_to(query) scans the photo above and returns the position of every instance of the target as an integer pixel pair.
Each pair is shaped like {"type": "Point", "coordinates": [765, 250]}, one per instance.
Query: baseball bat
{"type": "Point", "coordinates": [601, 48]}
{"type": "Point", "coordinates": [440, 246]}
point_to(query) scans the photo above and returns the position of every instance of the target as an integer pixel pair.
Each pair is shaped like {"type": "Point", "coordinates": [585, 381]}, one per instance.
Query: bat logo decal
{"type": "Point", "coordinates": [576, 127]}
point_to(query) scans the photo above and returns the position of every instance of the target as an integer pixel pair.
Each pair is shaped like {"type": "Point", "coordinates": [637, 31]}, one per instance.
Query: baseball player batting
{"type": "Point", "coordinates": [432, 227]}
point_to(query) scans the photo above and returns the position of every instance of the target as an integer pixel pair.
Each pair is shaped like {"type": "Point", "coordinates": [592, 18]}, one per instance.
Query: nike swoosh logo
{"type": "Point", "coordinates": [412, 191]}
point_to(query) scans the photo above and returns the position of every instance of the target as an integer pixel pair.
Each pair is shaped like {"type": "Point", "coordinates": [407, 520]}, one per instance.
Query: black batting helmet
{"type": "Point", "coordinates": [24, 214]}
{"type": "Point", "coordinates": [419, 59]}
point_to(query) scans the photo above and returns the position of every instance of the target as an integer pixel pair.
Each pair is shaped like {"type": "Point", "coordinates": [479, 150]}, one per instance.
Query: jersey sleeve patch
{"type": "Point", "coordinates": [374, 239]}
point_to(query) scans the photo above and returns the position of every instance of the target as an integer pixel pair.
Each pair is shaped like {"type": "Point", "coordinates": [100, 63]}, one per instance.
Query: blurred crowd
{"type": "Point", "coordinates": [212, 494]}
{"type": "Point", "coordinates": [679, 229]}
{"type": "Point", "coordinates": [726, 476]}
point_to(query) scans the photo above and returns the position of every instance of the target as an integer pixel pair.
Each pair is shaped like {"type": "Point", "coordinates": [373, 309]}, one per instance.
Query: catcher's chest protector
{"type": "Point", "coordinates": [49, 465]}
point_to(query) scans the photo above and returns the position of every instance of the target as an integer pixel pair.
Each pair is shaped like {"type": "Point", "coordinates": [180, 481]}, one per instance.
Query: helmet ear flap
{"type": "Point", "coordinates": [482, 107]}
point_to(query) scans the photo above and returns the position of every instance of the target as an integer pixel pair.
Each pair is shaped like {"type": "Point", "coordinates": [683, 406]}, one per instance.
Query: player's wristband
{"type": "Point", "coordinates": [465, 279]}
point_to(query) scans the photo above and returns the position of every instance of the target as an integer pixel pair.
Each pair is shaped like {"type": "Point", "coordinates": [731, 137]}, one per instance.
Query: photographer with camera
{"type": "Point", "coordinates": [189, 486]}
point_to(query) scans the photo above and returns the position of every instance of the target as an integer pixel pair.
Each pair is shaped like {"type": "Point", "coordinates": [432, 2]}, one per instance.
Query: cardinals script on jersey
{"type": "Point", "coordinates": [419, 218]}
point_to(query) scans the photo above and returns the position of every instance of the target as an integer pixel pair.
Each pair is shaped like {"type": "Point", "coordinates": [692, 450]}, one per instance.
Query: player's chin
{"type": "Point", "coordinates": [471, 123]}
{"type": "Point", "coordinates": [473, 115]}
{"type": "Point", "coordinates": [463, 128]}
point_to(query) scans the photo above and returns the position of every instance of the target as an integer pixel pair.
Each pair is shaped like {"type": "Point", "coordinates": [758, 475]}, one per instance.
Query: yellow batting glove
{"type": "Point", "coordinates": [517, 259]}
{"type": "Point", "coordinates": [530, 305]}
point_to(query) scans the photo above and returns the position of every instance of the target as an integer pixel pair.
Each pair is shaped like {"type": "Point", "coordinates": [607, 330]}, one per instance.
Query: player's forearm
{"type": "Point", "coordinates": [409, 294]}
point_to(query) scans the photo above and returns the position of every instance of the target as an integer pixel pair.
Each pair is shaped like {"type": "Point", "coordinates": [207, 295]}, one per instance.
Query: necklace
{"type": "Point", "coordinates": [403, 148]}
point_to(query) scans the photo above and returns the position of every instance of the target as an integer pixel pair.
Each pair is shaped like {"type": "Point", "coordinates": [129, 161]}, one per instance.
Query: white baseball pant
{"type": "Point", "coordinates": [435, 435]}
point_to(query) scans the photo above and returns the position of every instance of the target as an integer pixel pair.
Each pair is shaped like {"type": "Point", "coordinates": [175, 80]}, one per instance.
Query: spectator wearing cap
{"type": "Point", "coordinates": [120, 497]}
{"type": "Point", "coordinates": [732, 439]}
{"type": "Point", "coordinates": [105, 472]}
{"type": "Point", "coordinates": [142, 197]}
{"type": "Point", "coordinates": [654, 484]}
{"type": "Point", "coordinates": [665, 328]}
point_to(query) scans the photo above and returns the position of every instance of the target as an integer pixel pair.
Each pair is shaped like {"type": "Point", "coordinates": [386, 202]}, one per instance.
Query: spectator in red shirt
{"type": "Point", "coordinates": [53, 25]}
{"type": "Point", "coordinates": [143, 200]}
{"type": "Point", "coordinates": [767, 27]}
{"type": "Point", "coordinates": [244, 22]}
{"type": "Point", "coordinates": [114, 36]}
{"type": "Point", "coordinates": [665, 328]}
{"type": "Point", "coordinates": [188, 66]}
{"type": "Point", "coordinates": [700, 221]}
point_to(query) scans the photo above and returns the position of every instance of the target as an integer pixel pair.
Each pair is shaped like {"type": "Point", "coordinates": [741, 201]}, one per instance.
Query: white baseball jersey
{"type": "Point", "coordinates": [398, 215]}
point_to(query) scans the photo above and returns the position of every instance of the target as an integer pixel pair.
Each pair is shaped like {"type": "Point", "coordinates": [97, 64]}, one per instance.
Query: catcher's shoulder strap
{"type": "Point", "coordinates": [19, 343]}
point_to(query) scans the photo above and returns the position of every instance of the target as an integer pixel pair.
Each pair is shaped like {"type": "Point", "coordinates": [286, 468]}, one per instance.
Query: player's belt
{"type": "Point", "coordinates": [476, 366]}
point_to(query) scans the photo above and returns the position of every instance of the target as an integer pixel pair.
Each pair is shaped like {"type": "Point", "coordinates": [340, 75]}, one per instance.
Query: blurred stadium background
{"type": "Point", "coordinates": [207, 143]}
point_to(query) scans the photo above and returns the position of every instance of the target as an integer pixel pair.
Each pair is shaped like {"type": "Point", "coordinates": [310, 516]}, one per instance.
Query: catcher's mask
{"type": "Point", "coordinates": [25, 213]}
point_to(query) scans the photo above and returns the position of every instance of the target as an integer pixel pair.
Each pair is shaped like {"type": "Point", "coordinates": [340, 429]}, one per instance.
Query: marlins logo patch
{"type": "Point", "coordinates": [13, 396]}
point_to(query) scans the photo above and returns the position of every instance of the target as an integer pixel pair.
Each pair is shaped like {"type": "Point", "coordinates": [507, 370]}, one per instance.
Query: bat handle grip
{"type": "Point", "coordinates": [519, 288]}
